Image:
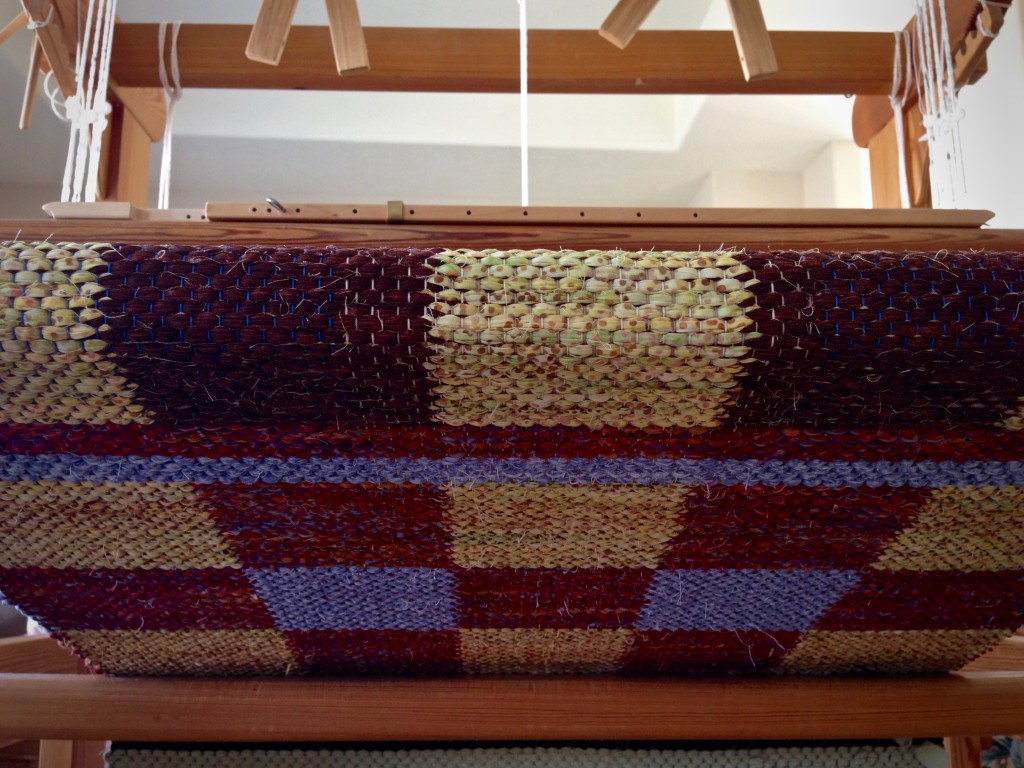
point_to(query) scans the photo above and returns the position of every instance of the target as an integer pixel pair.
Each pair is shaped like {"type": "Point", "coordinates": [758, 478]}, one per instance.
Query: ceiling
{"type": "Point", "coordinates": [448, 148]}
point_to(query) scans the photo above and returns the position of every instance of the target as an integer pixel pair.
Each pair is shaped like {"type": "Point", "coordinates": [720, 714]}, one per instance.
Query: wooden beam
{"type": "Point", "coordinates": [73, 707]}
{"type": "Point", "coordinates": [964, 751]}
{"type": "Point", "coordinates": [487, 60]}
{"type": "Point", "coordinates": [147, 106]}
{"type": "Point", "coordinates": [13, 26]}
{"type": "Point", "coordinates": [347, 39]}
{"type": "Point", "coordinates": [872, 113]}
{"type": "Point", "coordinates": [474, 235]}
{"type": "Point", "coordinates": [36, 653]}
{"type": "Point", "coordinates": [753, 43]}
{"type": "Point", "coordinates": [624, 21]}
{"type": "Point", "coordinates": [270, 32]}
{"type": "Point", "coordinates": [56, 753]}
{"type": "Point", "coordinates": [883, 154]}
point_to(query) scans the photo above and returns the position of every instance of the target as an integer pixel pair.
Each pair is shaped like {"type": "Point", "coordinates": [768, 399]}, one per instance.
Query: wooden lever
{"type": "Point", "coordinates": [347, 37]}
{"type": "Point", "coordinates": [752, 41]}
{"type": "Point", "coordinates": [270, 32]}
{"type": "Point", "coordinates": [624, 21]}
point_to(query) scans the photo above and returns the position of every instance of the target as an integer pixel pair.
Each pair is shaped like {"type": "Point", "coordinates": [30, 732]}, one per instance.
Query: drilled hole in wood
{"type": "Point", "coordinates": [412, 211]}
{"type": "Point", "coordinates": [269, 210]}
{"type": "Point", "coordinates": [254, 210]}
{"type": "Point", "coordinates": [526, 213]}
{"type": "Point", "coordinates": [298, 210]}
{"type": "Point", "coordinates": [582, 213]}
{"type": "Point", "coordinates": [638, 214]}
{"type": "Point", "coordinates": [695, 214]}
{"type": "Point", "coordinates": [355, 210]}
{"type": "Point", "coordinates": [188, 215]}
{"type": "Point", "coordinates": [469, 213]}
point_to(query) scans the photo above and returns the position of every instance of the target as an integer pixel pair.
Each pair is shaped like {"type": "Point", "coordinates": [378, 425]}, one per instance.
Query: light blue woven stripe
{"type": "Point", "coordinates": [828, 474]}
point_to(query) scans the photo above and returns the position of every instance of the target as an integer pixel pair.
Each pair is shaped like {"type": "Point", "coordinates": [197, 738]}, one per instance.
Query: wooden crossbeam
{"type": "Point", "coordinates": [76, 706]}
{"type": "Point", "coordinates": [486, 60]}
{"type": "Point", "coordinates": [871, 113]}
{"type": "Point", "coordinates": [34, 654]}
{"type": "Point", "coordinates": [624, 21]}
{"type": "Point", "coordinates": [754, 45]}
{"type": "Point", "coordinates": [13, 26]}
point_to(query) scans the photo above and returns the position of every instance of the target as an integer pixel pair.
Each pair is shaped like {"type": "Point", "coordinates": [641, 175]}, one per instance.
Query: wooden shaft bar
{"type": "Point", "coordinates": [56, 753]}
{"type": "Point", "coordinates": [753, 42]}
{"type": "Point", "coordinates": [472, 235]}
{"type": "Point", "coordinates": [486, 60]}
{"type": "Point", "coordinates": [13, 26]}
{"type": "Point", "coordinates": [964, 751]}
{"type": "Point", "coordinates": [28, 101]}
{"type": "Point", "coordinates": [58, 39]}
{"type": "Point", "coordinates": [82, 707]}
{"type": "Point", "coordinates": [624, 21]}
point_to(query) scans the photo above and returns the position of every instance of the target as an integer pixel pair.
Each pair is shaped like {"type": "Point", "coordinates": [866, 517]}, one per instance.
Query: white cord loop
{"type": "Point", "coordinates": [40, 24]}
{"type": "Point", "coordinates": [172, 92]}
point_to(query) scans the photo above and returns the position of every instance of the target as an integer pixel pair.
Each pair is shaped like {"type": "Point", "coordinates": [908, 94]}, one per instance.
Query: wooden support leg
{"type": "Point", "coordinates": [624, 21]}
{"type": "Point", "coordinates": [270, 32]}
{"type": "Point", "coordinates": [125, 166]}
{"type": "Point", "coordinates": [757, 56]}
{"type": "Point", "coordinates": [964, 752]}
{"type": "Point", "coordinates": [56, 754]}
{"type": "Point", "coordinates": [88, 754]}
{"type": "Point", "coordinates": [347, 38]}
{"type": "Point", "coordinates": [885, 164]}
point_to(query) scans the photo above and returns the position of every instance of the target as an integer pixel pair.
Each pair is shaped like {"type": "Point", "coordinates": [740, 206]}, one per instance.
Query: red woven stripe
{"type": "Point", "coordinates": [305, 441]}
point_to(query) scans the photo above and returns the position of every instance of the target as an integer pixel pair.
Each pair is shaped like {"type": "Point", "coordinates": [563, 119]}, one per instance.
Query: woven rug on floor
{"type": "Point", "coordinates": [539, 757]}
{"type": "Point", "coordinates": [276, 461]}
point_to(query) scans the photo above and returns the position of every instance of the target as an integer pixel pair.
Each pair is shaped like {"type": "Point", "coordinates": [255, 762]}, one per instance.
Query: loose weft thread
{"type": "Point", "coordinates": [524, 151]}
{"type": "Point", "coordinates": [88, 109]}
{"type": "Point", "coordinates": [172, 92]}
{"type": "Point", "coordinates": [940, 110]}
{"type": "Point", "coordinates": [902, 79]}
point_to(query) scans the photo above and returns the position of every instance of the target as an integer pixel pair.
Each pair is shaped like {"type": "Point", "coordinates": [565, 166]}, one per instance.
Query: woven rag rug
{"type": "Point", "coordinates": [270, 461]}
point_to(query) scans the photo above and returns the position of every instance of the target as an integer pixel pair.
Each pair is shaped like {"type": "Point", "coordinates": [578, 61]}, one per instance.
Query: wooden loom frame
{"type": "Point", "coordinates": [41, 697]}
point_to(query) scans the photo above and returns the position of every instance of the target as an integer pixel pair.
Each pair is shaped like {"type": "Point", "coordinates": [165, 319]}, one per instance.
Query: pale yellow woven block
{"type": "Point", "coordinates": [965, 528]}
{"type": "Point", "coordinates": [189, 653]}
{"type": "Point", "coordinates": [498, 525]}
{"type": "Point", "coordinates": [97, 525]}
{"type": "Point", "coordinates": [899, 652]}
{"type": "Point", "coordinates": [1014, 420]}
{"type": "Point", "coordinates": [53, 367]}
{"type": "Point", "coordinates": [543, 651]}
{"type": "Point", "coordinates": [591, 338]}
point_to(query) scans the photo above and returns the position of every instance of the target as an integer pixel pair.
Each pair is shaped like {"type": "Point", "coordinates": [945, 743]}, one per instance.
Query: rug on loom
{"type": "Point", "coordinates": [128, 756]}
{"type": "Point", "coordinates": [337, 461]}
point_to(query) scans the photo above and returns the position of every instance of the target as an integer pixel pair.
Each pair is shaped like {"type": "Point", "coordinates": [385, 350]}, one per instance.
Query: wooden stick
{"type": "Point", "coordinates": [28, 102]}
{"type": "Point", "coordinates": [487, 61]}
{"type": "Point", "coordinates": [347, 38]}
{"type": "Point", "coordinates": [752, 41]}
{"type": "Point", "coordinates": [270, 32]}
{"type": "Point", "coordinates": [13, 26]}
{"type": "Point", "coordinates": [55, 753]}
{"type": "Point", "coordinates": [624, 21]}
{"type": "Point", "coordinates": [36, 653]}
{"type": "Point", "coordinates": [78, 706]}
{"type": "Point", "coordinates": [964, 751]}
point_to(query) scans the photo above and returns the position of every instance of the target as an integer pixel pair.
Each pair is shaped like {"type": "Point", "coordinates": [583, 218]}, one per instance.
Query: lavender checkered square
{"type": "Point", "coordinates": [358, 598]}
{"type": "Point", "coordinates": [742, 599]}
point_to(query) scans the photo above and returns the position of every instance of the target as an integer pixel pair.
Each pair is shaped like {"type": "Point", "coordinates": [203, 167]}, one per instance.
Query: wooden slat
{"type": "Point", "coordinates": [872, 113]}
{"type": "Point", "coordinates": [36, 653]}
{"type": "Point", "coordinates": [1008, 656]}
{"type": "Point", "coordinates": [89, 754]}
{"type": "Point", "coordinates": [624, 21]}
{"type": "Point", "coordinates": [13, 26]}
{"type": "Point", "coordinates": [486, 60]}
{"type": "Point", "coordinates": [347, 39]}
{"type": "Point", "coordinates": [475, 235]}
{"type": "Point", "coordinates": [270, 32]}
{"type": "Point", "coordinates": [126, 172]}
{"type": "Point", "coordinates": [757, 57]}
{"type": "Point", "coordinates": [28, 102]}
{"type": "Point", "coordinates": [594, 216]}
{"type": "Point", "coordinates": [885, 168]}
{"type": "Point", "coordinates": [56, 753]}
{"type": "Point", "coordinates": [964, 751]}
{"type": "Point", "coordinates": [511, 708]}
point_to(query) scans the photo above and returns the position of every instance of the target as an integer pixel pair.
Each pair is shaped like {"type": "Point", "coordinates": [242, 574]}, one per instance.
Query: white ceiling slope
{"type": "Point", "coordinates": [596, 150]}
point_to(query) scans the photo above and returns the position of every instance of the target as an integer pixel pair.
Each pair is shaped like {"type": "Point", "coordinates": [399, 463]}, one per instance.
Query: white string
{"type": "Point", "coordinates": [524, 143]}
{"type": "Point", "coordinates": [40, 24]}
{"type": "Point", "coordinates": [172, 92]}
{"type": "Point", "coordinates": [901, 83]}
{"type": "Point", "coordinates": [87, 110]}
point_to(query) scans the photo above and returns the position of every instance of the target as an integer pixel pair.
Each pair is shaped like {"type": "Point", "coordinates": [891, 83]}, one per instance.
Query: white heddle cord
{"type": "Point", "coordinates": [87, 110]}
{"type": "Point", "coordinates": [173, 95]}
{"type": "Point", "coordinates": [901, 82]}
{"type": "Point", "coordinates": [524, 137]}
